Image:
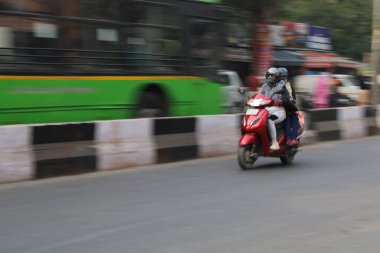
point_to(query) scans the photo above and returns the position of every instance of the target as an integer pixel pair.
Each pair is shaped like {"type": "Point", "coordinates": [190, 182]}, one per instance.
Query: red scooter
{"type": "Point", "coordinates": [255, 140]}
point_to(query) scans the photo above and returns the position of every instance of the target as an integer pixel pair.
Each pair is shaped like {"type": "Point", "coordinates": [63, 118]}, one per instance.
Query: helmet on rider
{"type": "Point", "coordinates": [283, 73]}
{"type": "Point", "coordinates": [272, 76]}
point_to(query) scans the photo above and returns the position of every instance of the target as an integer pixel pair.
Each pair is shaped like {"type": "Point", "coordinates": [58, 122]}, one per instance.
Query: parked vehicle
{"type": "Point", "coordinates": [255, 140]}
{"type": "Point", "coordinates": [233, 102]}
{"type": "Point", "coordinates": [350, 86]}
{"type": "Point", "coordinates": [305, 88]}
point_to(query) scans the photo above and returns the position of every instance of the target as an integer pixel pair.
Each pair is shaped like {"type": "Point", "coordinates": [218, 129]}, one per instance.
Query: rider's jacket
{"type": "Point", "coordinates": [277, 92]}
{"type": "Point", "coordinates": [292, 105]}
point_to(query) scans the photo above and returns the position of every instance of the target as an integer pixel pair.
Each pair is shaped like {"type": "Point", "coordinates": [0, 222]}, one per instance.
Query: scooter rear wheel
{"type": "Point", "coordinates": [245, 159]}
{"type": "Point", "coordinates": [288, 159]}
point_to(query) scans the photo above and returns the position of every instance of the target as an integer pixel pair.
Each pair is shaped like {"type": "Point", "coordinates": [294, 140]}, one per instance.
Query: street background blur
{"type": "Point", "coordinates": [230, 42]}
{"type": "Point", "coordinates": [75, 74]}
{"type": "Point", "coordinates": [324, 38]}
{"type": "Point", "coordinates": [90, 62]}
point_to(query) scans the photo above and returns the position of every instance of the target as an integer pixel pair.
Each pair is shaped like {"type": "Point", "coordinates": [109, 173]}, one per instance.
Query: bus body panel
{"type": "Point", "coordinates": [55, 99]}
{"type": "Point", "coordinates": [87, 63]}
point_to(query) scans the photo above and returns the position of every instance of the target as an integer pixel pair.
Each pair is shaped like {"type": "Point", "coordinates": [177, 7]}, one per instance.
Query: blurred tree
{"type": "Point", "coordinates": [349, 21]}
{"type": "Point", "coordinates": [260, 9]}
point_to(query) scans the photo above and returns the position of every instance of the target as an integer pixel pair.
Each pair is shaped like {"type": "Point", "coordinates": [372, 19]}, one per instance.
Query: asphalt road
{"type": "Point", "coordinates": [327, 201]}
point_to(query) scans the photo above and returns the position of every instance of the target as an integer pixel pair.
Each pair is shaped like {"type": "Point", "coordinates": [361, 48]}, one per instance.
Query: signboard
{"type": "Point", "coordinates": [319, 39]}
{"type": "Point", "coordinates": [289, 34]}
{"type": "Point", "coordinates": [276, 35]}
{"type": "Point", "coordinates": [300, 35]}
{"type": "Point", "coordinates": [301, 31]}
{"type": "Point", "coordinates": [294, 34]}
{"type": "Point", "coordinates": [319, 60]}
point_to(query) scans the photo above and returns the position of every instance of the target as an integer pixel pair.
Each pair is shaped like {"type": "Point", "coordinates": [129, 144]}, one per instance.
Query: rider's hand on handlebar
{"type": "Point", "coordinates": [277, 102]}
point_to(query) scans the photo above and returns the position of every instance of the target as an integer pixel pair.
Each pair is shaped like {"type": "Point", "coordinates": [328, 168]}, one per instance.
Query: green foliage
{"type": "Point", "coordinates": [349, 21]}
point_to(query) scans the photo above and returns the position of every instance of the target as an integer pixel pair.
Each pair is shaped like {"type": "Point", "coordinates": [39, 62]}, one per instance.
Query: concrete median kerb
{"type": "Point", "coordinates": [16, 154]}
{"type": "Point", "coordinates": [32, 152]}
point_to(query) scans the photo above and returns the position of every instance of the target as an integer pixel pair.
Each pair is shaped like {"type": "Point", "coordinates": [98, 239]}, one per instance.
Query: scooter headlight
{"type": "Point", "coordinates": [254, 121]}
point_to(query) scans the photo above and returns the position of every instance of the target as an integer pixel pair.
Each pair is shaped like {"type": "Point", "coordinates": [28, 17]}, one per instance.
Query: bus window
{"type": "Point", "coordinates": [163, 15]}
{"type": "Point", "coordinates": [153, 48]}
{"type": "Point", "coordinates": [37, 6]}
{"type": "Point", "coordinates": [98, 9]}
{"type": "Point", "coordinates": [101, 45]}
{"type": "Point", "coordinates": [34, 42]}
{"type": "Point", "coordinates": [90, 46]}
{"type": "Point", "coordinates": [204, 47]}
{"type": "Point", "coordinates": [153, 40]}
{"type": "Point", "coordinates": [71, 43]}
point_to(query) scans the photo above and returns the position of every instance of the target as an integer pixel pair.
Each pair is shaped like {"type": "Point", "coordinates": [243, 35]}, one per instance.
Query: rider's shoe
{"type": "Point", "coordinates": [292, 143]}
{"type": "Point", "coordinates": [274, 146]}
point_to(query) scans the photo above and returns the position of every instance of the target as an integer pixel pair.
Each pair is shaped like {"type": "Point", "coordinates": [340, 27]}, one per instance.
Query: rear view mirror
{"type": "Point", "coordinates": [243, 90]}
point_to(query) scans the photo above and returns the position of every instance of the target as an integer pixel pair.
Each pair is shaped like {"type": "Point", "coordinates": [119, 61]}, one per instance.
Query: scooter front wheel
{"type": "Point", "coordinates": [245, 157]}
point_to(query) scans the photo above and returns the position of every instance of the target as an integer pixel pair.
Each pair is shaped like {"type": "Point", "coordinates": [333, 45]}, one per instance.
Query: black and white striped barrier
{"type": "Point", "coordinates": [16, 162]}
{"type": "Point", "coordinates": [41, 151]}
{"type": "Point", "coordinates": [342, 123]}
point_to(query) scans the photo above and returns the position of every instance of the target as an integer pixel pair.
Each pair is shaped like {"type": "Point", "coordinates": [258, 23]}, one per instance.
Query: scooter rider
{"type": "Point", "coordinates": [275, 88]}
{"type": "Point", "coordinates": [291, 121]}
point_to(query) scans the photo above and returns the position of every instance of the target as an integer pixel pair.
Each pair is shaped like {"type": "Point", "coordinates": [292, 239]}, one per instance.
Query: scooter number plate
{"type": "Point", "coordinates": [252, 112]}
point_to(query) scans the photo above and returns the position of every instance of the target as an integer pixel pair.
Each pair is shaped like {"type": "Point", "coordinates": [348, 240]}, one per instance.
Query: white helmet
{"type": "Point", "coordinates": [272, 75]}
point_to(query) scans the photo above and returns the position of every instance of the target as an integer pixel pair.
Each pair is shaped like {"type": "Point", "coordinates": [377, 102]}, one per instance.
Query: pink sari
{"type": "Point", "coordinates": [321, 93]}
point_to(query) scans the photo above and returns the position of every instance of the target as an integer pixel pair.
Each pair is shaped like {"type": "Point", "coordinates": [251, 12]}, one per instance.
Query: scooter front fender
{"type": "Point", "coordinates": [247, 139]}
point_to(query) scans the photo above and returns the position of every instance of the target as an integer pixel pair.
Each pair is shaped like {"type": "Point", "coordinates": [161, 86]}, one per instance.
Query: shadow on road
{"type": "Point", "coordinates": [275, 165]}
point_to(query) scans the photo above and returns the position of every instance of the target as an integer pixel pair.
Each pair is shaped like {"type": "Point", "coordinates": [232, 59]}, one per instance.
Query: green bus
{"type": "Point", "coordinates": [86, 60]}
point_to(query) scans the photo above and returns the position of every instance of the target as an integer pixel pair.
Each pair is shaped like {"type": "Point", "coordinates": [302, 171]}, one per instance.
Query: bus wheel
{"type": "Point", "coordinates": [151, 104]}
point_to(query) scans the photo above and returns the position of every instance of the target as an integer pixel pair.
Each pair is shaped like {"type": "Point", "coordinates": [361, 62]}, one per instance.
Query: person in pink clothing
{"type": "Point", "coordinates": [321, 93]}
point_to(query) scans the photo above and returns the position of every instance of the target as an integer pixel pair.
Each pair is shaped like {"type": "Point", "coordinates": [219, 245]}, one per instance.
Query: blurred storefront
{"type": "Point", "coordinates": [307, 49]}
{"type": "Point", "coordinates": [316, 62]}
{"type": "Point", "coordinates": [344, 65]}
{"type": "Point", "coordinates": [288, 58]}
{"type": "Point", "coordinates": [286, 38]}
{"type": "Point", "coordinates": [236, 54]}
{"type": "Point", "coordinates": [300, 47]}
{"type": "Point", "coordinates": [237, 57]}
{"type": "Point", "coordinates": [292, 60]}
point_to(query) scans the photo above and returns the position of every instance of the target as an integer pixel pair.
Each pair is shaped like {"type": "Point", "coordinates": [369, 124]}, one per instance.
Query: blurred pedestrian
{"type": "Point", "coordinates": [365, 87]}
{"type": "Point", "coordinates": [364, 82]}
{"type": "Point", "coordinates": [337, 99]}
{"type": "Point", "coordinates": [321, 93]}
